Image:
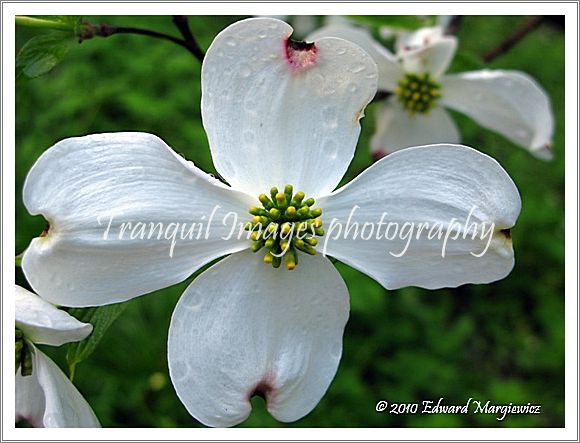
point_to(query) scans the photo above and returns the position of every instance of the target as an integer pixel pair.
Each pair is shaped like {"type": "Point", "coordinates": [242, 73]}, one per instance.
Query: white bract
{"type": "Point", "coordinates": [276, 112]}
{"type": "Point", "coordinates": [508, 102]}
{"type": "Point", "coordinates": [46, 397]}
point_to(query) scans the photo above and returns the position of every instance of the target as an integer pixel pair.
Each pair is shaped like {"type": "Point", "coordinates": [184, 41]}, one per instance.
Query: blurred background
{"type": "Point", "coordinates": [502, 342]}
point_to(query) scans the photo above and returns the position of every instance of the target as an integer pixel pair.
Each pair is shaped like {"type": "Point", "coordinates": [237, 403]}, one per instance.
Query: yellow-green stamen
{"type": "Point", "coordinates": [418, 93]}
{"type": "Point", "coordinates": [285, 224]}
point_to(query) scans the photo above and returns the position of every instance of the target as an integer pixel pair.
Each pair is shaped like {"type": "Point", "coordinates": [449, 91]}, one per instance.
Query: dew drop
{"type": "Point", "coordinates": [341, 51]}
{"type": "Point", "coordinates": [231, 41]}
{"type": "Point", "coordinates": [330, 149]}
{"type": "Point", "coordinates": [328, 90]}
{"type": "Point", "coordinates": [353, 87]}
{"type": "Point", "coordinates": [329, 116]}
{"type": "Point", "coordinates": [359, 67]}
{"type": "Point", "coordinates": [226, 95]}
{"type": "Point", "coordinates": [263, 33]}
{"type": "Point", "coordinates": [179, 370]}
{"type": "Point", "coordinates": [249, 136]}
{"type": "Point", "coordinates": [245, 71]}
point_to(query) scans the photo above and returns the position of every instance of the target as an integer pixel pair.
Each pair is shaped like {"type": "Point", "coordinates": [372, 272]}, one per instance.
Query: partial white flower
{"type": "Point", "coordinates": [45, 397]}
{"type": "Point", "coordinates": [508, 102]}
{"type": "Point", "coordinates": [276, 112]}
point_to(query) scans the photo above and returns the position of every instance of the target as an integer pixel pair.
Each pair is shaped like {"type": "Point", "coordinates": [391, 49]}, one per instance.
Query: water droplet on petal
{"type": "Point", "coordinates": [330, 148]}
{"type": "Point", "coordinates": [358, 67]}
{"type": "Point", "coordinates": [353, 87]}
{"type": "Point", "coordinates": [263, 33]}
{"type": "Point", "coordinates": [179, 370]}
{"type": "Point", "coordinates": [341, 51]}
{"type": "Point", "coordinates": [249, 136]}
{"type": "Point", "coordinates": [328, 90]}
{"type": "Point", "coordinates": [245, 71]}
{"type": "Point", "coordinates": [231, 41]}
{"type": "Point", "coordinates": [329, 116]}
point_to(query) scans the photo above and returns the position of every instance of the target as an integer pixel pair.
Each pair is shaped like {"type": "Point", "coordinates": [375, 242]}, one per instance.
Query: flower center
{"type": "Point", "coordinates": [418, 93]}
{"type": "Point", "coordinates": [286, 223]}
{"type": "Point", "coordinates": [23, 354]}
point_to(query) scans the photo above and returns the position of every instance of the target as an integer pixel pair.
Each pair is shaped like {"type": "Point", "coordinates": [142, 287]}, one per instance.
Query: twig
{"type": "Point", "coordinates": [182, 24]}
{"type": "Point", "coordinates": [453, 26]}
{"type": "Point", "coordinates": [89, 31]}
{"type": "Point", "coordinates": [512, 39]}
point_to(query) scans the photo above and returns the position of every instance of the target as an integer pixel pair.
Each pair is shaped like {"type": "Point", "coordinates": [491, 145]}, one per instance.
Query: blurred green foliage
{"type": "Point", "coordinates": [502, 342]}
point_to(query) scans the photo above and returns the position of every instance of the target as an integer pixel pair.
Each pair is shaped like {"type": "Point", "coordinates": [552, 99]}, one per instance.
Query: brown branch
{"type": "Point", "coordinates": [182, 24]}
{"type": "Point", "coordinates": [512, 39]}
{"type": "Point", "coordinates": [103, 30]}
{"type": "Point", "coordinates": [454, 25]}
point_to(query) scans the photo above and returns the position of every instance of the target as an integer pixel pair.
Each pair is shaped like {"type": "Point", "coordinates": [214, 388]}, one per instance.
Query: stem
{"type": "Point", "coordinates": [454, 24]}
{"type": "Point", "coordinates": [89, 31]}
{"type": "Point", "coordinates": [23, 20]}
{"type": "Point", "coordinates": [512, 39]}
{"type": "Point", "coordinates": [182, 24]}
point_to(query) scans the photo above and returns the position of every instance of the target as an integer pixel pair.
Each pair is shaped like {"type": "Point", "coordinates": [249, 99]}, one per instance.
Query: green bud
{"type": "Point", "coordinates": [290, 259]}
{"type": "Point", "coordinates": [290, 212]}
{"type": "Point", "coordinates": [270, 243]}
{"type": "Point", "coordinates": [317, 212]}
{"type": "Point", "coordinates": [256, 246]}
{"type": "Point", "coordinates": [298, 198]}
{"type": "Point", "coordinates": [311, 241]}
{"type": "Point", "coordinates": [273, 193]}
{"type": "Point", "coordinates": [265, 201]}
{"type": "Point", "coordinates": [307, 248]}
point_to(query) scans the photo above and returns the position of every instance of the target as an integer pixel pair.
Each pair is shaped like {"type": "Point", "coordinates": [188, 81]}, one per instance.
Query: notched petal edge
{"type": "Point", "coordinates": [299, 54]}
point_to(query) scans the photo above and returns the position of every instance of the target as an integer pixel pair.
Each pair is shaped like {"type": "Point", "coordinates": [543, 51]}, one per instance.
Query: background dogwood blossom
{"type": "Point", "coordinates": [46, 397]}
{"type": "Point", "coordinates": [509, 102]}
{"type": "Point", "coordinates": [451, 341]}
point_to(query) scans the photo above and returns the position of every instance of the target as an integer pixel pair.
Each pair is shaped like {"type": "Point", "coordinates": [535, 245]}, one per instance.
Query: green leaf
{"type": "Point", "coordinates": [67, 23]}
{"type": "Point", "coordinates": [42, 53]}
{"type": "Point", "coordinates": [101, 317]}
{"type": "Point", "coordinates": [394, 21]}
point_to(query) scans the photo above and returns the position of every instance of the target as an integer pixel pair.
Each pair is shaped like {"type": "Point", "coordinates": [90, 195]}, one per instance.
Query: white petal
{"type": "Point", "coordinates": [65, 407]}
{"type": "Point", "coordinates": [418, 39]}
{"type": "Point", "coordinates": [433, 58]}
{"type": "Point", "coordinates": [508, 102]}
{"type": "Point", "coordinates": [390, 71]}
{"type": "Point", "coordinates": [243, 326]}
{"type": "Point", "coordinates": [433, 185]}
{"type": "Point", "coordinates": [29, 397]}
{"type": "Point", "coordinates": [83, 185]}
{"type": "Point", "coordinates": [275, 115]}
{"type": "Point", "coordinates": [396, 129]}
{"type": "Point", "coordinates": [43, 323]}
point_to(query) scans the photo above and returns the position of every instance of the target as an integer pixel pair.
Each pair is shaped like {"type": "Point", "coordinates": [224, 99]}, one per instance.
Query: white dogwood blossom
{"type": "Point", "coordinates": [45, 397]}
{"type": "Point", "coordinates": [509, 102]}
{"type": "Point", "coordinates": [277, 113]}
